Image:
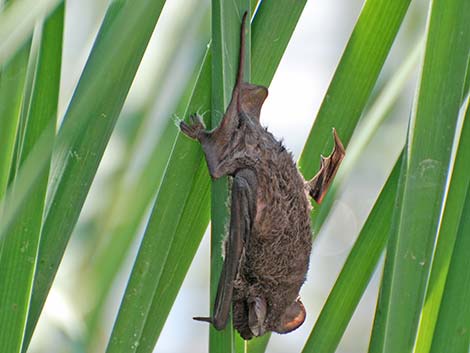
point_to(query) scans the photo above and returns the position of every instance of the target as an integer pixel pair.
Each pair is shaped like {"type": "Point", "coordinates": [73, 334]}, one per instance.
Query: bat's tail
{"type": "Point", "coordinates": [241, 62]}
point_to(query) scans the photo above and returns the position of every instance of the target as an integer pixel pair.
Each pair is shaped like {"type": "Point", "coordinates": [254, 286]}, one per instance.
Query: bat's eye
{"type": "Point", "coordinates": [293, 317]}
{"type": "Point", "coordinates": [257, 315]}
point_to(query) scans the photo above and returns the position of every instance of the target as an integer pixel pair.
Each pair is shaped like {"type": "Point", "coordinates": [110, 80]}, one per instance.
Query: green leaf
{"type": "Point", "coordinates": [14, 34]}
{"type": "Point", "coordinates": [452, 217]}
{"type": "Point", "coordinates": [258, 344]}
{"type": "Point", "coordinates": [226, 19]}
{"type": "Point", "coordinates": [161, 228]}
{"type": "Point", "coordinates": [12, 82]}
{"type": "Point", "coordinates": [26, 102]}
{"type": "Point", "coordinates": [19, 253]}
{"type": "Point", "coordinates": [423, 179]}
{"type": "Point", "coordinates": [452, 326]}
{"type": "Point", "coordinates": [467, 79]}
{"type": "Point", "coordinates": [188, 235]}
{"type": "Point", "coordinates": [87, 126]}
{"type": "Point", "coordinates": [118, 225]}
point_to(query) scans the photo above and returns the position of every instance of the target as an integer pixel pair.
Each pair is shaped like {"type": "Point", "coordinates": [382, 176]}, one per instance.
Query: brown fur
{"type": "Point", "coordinates": [276, 258]}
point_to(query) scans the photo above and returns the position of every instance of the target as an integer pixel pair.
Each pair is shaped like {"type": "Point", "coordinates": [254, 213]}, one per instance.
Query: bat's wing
{"type": "Point", "coordinates": [243, 212]}
{"type": "Point", "coordinates": [320, 183]}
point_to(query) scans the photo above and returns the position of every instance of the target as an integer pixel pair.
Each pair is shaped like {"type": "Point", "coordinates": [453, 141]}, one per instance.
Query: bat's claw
{"type": "Point", "coordinates": [320, 183]}
{"type": "Point", "coordinates": [195, 129]}
{"type": "Point", "coordinates": [196, 120]}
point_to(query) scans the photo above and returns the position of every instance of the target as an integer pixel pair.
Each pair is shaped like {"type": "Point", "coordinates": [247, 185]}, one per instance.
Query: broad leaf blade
{"type": "Point", "coordinates": [20, 246]}
{"type": "Point", "coordinates": [226, 19]}
{"type": "Point", "coordinates": [14, 33]}
{"type": "Point", "coordinates": [424, 176]}
{"type": "Point", "coordinates": [454, 315]}
{"type": "Point", "coordinates": [118, 226]}
{"type": "Point", "coordinates": [258, 344]}
{"type": "Point", "coordinates": [452, 217]}
{"type": "Point", "coordinates": [87, 126]}
{"type": "Point", "coordinates": [153, 253]}
{"type": "Point", "coordinates": [12, 81]}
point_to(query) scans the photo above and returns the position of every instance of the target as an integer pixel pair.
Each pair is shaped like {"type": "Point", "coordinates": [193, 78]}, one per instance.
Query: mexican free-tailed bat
{"type": "Point", "coordinates": [269, 242]}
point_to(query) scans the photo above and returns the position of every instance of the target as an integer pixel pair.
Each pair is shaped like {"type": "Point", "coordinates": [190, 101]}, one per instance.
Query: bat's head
{"type": "Point", "coordinates": [293, 317]}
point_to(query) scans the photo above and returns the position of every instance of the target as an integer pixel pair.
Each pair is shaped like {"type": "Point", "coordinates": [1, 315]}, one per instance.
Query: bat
{"type": "Point", "coordinates": [268, 246]}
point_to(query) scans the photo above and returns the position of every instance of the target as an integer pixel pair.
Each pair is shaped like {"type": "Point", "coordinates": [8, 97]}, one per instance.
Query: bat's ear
{"type": "Point", "coordinates": [292, 318]}
{"type": "Point", "coordinates": [257, 309]}
{"type": "Point", "coordinates": [251, 99]}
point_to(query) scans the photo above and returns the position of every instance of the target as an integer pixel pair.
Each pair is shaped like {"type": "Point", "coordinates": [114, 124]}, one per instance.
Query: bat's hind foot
{"type": "Point", "coordinates": [318, 186]}
{"type": "Point", "coordinates": [195, 129]}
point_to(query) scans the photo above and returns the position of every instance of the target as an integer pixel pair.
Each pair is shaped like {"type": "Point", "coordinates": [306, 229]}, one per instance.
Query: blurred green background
{"type": "Point", "coordinates": [83, 302]}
